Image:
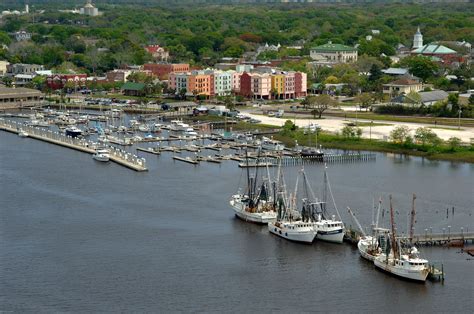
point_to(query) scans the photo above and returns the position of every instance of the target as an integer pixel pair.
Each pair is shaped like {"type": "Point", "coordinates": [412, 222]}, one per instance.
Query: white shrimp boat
{"type": "Point", "coordinates": [298, 231]}
{"type": "Point", "coordinates": [401, 261]}
{"type": "Point", "coordinates": [409, 266]}
{"type": "Point", "coordinates": [331, 230]}
{"type": "Point", "coordinates": [257, 205]}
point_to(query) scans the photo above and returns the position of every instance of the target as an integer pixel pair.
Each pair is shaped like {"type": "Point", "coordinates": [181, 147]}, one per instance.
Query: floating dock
{"type": "Point", "coordinates": [116, 155]}
{"type": "Point", "coordinates": [149, 150]}
{"type": "Point", "coordinates": [187, 159]}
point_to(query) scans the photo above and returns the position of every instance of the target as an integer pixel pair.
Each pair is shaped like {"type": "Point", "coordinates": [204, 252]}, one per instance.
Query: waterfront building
{"type": "Point", "coordinates": [19, 97]}
{"type": "Point", "coordinates": [133, 89]}
{"type": "Point", "coordinates": [335, 53]}
{"type": "Point", "coordinates": [163, 70]}
{"type": "Point", "coordinates": [118, 75]}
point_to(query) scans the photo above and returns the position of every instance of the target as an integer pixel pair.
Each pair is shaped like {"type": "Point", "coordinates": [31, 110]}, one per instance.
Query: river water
{"type": "Point", "coordinates": [80, 236]}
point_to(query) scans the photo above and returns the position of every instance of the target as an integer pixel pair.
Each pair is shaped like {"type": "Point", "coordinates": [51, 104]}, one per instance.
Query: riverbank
{"type": "Point", "coordinates": [327, 140]}
{"type": "Point", "coordinates": [335, 141]}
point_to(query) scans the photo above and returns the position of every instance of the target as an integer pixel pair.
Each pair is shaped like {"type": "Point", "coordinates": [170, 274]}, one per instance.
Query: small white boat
{"type": "Point", "coordinates": [22, 133]}
{"type": "Point", "coordinates": [143, 128]}
{"type": "Point", "coordinates": [102, 155]}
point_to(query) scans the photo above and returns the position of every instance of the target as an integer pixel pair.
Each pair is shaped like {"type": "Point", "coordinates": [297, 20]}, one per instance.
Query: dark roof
{"type": "Point", "coordinates": [404, 82]}
{"type": "Point", "coordinates": [133, 86]}
{"type": "Point", "coordinates": [434, 95]}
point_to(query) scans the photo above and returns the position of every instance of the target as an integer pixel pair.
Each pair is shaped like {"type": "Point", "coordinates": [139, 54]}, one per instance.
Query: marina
{"type": "Point", "coordinates": [247, 249]}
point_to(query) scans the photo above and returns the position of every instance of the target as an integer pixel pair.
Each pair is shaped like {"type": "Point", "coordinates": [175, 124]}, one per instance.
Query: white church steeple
{"type": "Point", "coordinates": [418, 39]}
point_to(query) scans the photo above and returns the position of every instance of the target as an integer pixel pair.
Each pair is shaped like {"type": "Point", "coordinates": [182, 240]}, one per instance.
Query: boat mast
{"type": "Point", "coordinates": [356, 221]}
{"type": "Point", "coordinates": [412, 221]}
{"type": "Point", "coordinates": [378, 213]}
{"type": "Point", "coordinates": [393, 239]}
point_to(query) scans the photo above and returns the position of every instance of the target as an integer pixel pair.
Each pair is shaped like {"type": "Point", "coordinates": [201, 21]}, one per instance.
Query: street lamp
{"type": "Point", "coordinates": [459, 119]}
{"type": "Point", "coordinates": [370, 129]}
{"type": "Point", "coordinates": [449, 232]}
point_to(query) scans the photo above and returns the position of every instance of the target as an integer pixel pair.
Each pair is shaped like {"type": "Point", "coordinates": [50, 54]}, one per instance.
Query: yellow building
{"type": "Point", "coordinates": [278, 85]}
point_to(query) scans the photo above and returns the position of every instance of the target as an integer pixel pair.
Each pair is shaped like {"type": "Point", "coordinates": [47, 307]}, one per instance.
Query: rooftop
{"type": "Point", "coordinates": [434, 49]}
{"type": "Point", "coordinates": [435, 95]}
{"type": "Point", "coordinates": [333, 47]}
{"type": "Point", "coordinates": [17, 92]}
{"type": "Point", "coordinates": [133, 86]}
{"type": "Point", "coordinates": [395, 71]}
{"type": "Point", "coordinates": [404, 82]}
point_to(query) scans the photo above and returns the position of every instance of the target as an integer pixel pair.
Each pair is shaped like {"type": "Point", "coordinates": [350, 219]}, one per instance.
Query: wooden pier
{"type": "Point", "coordinates": [426, 239]}
{"type": "Point", "coordinates": [116, 155]}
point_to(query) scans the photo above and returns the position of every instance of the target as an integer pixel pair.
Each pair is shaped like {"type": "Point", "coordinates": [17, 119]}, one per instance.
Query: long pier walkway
{"type": "Point", "coordinates": [425, 239]}
{"type": "Point", "coordinates": [116, 155]}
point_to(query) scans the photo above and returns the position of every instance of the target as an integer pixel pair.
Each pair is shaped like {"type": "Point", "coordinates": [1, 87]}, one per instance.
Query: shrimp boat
{"type": "Point", "coordinates": [258, 204]}
{"type": "Point", "coordinates": [291, 224]}
{"type": "Point", "coordinates": [402, 261]}
{"type": "Point", "coordinates": [329, 229]}
{"type": "Point", "coordinates": [371, 246]}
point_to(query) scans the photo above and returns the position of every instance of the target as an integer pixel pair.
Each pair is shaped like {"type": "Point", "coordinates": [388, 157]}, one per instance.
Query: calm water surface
{"type": "Point", "coordinates": [80, 236]}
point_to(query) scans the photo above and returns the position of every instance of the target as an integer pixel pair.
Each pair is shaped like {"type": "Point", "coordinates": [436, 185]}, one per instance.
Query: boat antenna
{"type": "Point", "coordinates": [356, 221]}
{"type": "Point", "coordinates": [393, 239]}
{"type": "Point", "coordinates": [412, 221]}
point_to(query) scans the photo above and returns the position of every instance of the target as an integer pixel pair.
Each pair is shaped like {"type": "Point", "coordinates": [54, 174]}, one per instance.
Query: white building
{"type": "Point", "coordinates": [417, 39]}
{"type": "Point", "coordinates": [22, 36]}
{"type": "Point", "coordinates": [334, 53]}
{"type": "Point", "coordinates": [89, 9]}
{"type": "Point", "coordinates": [223, 83]}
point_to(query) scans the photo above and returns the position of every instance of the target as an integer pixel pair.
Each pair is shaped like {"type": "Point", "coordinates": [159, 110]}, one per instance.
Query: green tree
{"type": "Point", "coordinates": [364, 100]}
{"type": "Point", "coordinates": [420, 66]}
{"type": "Point", "coordinates": [351, 132]}
{"type": "Point", "coordinates": [454, 142]}
{"type": "Point", "coordinates": [319, 104]}
{"type": "Point", "coordinates": [400, 134]}
{"type": "Point", "coordinates": [425, 136]}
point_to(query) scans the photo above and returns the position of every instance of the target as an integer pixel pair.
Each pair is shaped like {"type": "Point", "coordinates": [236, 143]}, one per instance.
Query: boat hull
{"type": "Point", "coordinates": [415, 274]}
{"type": "Point", "coordinates": [336, 236]}
{"type": "Point", "coordinates": [306, 236]}
{"type": "Point", "coordinates": [262, 218]}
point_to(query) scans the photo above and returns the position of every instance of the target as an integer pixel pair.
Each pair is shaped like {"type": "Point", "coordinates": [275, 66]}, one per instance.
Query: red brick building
{"type": "Point", "coordinates": [246, 85]}
{"type": "Point", "coordinates": [58, 81]}
{"type": "Point", "coordinates": [162, 70]}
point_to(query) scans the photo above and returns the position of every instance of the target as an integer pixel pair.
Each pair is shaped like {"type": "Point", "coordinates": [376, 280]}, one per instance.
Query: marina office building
{"type": "Point", "coordinates": [12, 98]}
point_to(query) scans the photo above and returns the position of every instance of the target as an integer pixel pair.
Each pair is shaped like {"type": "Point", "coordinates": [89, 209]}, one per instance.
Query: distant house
{"type": "Point", "coordinates": [22, 36]}
{"type": "Point", "coordinates": [133, 89]}
{"type": "Point", "coordinates": [23, 68]}
{"type": "Point", "coordinates": [3, 67]}
{"type": "Point", "coordinates": [395, 71]}
{"type": "Point", "coordinates": [402, 86]}
{"type": "Point", "coordinates": [335, 53]}
{"type": "Point", "coordinates": [157, 52]}
{"type": "Point", "coordinates": [426, 98]}
{"type": "Point", "coordinates": [162, 70]}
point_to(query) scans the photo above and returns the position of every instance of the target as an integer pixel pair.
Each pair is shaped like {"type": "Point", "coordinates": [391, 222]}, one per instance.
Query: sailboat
{"type": "Point", "coordinates": [401, 261]}
{"type": "Point", "coordinates": [290, 224]}
{"type": "Point", "coordinates": [258, 204]}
